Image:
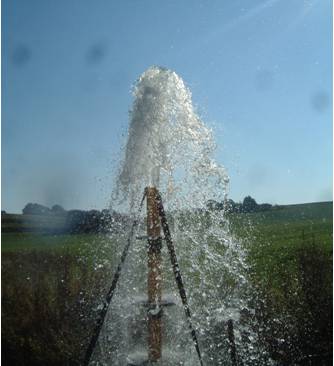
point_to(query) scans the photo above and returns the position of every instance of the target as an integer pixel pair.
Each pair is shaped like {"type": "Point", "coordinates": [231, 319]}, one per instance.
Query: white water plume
{"type": "Point", "coordinates": [167, 142]}
{"type": "Point", "coordinates": [170, 147]}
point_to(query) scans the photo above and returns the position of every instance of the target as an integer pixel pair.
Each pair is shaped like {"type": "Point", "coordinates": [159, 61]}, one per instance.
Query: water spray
{"type": "Point", "coordinates": [156, 218]}
{"type": "Point", "coordinates": [170, 153]}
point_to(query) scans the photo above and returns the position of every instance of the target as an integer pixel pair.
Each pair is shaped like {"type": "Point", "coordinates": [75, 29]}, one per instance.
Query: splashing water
{"type": "Point", "coordinates": [170, 147]}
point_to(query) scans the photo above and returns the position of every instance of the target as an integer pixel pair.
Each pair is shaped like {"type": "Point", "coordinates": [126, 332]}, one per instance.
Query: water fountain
{"type": "Point", "coordinates": [169, 148]}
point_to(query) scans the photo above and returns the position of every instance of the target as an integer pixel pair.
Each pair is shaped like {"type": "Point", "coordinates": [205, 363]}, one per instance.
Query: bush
{"type": "Point", "coordinates": [35, 209]}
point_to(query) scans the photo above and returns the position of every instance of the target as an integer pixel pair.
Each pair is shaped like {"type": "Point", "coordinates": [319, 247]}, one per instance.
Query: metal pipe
{"type": "Point", "coordinates": [233, 349]}
{"type": "Point", "coordinates": [154, 275]}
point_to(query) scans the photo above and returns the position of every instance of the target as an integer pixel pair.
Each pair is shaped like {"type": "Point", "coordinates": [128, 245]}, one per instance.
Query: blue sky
{"type": "Point", "coordinates": [260, 72]}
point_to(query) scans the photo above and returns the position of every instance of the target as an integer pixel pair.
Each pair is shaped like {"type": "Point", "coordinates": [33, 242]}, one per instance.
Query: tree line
{"type": "Point", "coordinates": [248, 205]}
{"type": "Point", "coordinates": [95, 221]}
{"type": "Point", "coordinates": [80, 221]}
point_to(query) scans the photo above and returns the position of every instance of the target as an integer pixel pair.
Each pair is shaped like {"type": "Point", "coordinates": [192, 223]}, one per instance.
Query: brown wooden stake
{"type": "Point", "coordinates": [154, 275]}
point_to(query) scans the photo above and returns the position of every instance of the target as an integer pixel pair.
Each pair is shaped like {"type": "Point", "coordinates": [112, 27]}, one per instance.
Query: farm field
{"type": "Point", "coordinates": [53, 284]}
{"type": "Point", "coordinates": [291, 257]}
{"type": "Point", "coordinates": [276, 235]}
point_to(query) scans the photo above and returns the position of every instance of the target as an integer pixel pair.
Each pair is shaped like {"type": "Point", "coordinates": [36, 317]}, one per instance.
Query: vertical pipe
{"type": "Point", "coordinates": [233, 350]}
{"type": "Point", "coordinates": [154, 275]}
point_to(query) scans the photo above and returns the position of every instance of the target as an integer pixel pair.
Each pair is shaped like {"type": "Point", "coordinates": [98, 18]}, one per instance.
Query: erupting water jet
{"type": "Point", "coordinates": [169, 148]}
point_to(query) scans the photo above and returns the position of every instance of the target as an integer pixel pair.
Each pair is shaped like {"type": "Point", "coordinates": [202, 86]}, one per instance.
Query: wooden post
{"type": "Point", "coordinates": [154, 275]}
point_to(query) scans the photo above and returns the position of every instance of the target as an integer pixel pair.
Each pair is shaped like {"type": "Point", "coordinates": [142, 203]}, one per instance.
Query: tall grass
{"type": "Point", "coordinates": [50, 301]}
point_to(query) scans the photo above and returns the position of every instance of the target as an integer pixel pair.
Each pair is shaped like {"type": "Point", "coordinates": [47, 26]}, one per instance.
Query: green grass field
{"type": "Point", "coordinates": [284, 226]}
{"type": "Point", "coordinates": [79, 244]}
{"type": "Point", "coordinates": [288, 222]}
{"type": "Point", "coordinates": [59, 279]}
{"type": "Point", "coordinates": [276, 236]}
